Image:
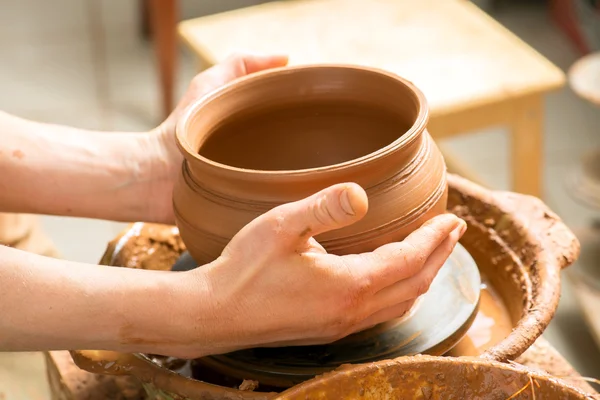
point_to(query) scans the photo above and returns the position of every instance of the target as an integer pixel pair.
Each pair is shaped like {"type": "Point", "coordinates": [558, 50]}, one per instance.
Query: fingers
{"type": "Point", "coordinates": [394, 262]}
{"type": "Point", "coordinates": [332, 208]}
{"type": "Point", "coordinates": [384, 315]}
{"type": "Point", "coordinates": [418, 284]}
{"type": "Point", "coordinates": [239, 65]}
{"type": "Point", "coordinates": [233, 67]}
{"type": "Point", "coordinates": [244, 64]}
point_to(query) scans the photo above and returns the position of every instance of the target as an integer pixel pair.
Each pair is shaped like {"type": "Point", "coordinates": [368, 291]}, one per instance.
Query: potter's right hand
{"type": "Point", "coordinates": [275, 285]}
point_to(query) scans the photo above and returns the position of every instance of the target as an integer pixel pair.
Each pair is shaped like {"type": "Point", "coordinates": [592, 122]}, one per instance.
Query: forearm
{"type": "Point", "coordinates": [48, 304]}
{"type": "Point", "coordinates": [51, 169]}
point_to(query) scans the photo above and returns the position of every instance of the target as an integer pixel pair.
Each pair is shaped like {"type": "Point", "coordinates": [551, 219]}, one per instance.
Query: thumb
{"type": "Point", "coordinates": [332, 208]}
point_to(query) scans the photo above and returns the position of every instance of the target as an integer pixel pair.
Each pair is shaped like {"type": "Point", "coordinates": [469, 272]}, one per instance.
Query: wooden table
{"type": "Point", "coordinates": [474, 72]}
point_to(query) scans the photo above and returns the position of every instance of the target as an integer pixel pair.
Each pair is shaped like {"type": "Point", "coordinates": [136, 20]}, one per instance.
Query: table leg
{"type": "Point", "coordinates": [163, 17]}
{"type": "Point", "coordinates": [527, 146]}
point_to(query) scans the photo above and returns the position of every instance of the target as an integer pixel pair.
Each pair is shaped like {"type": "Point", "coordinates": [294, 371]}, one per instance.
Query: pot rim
{"type": "Point", "coordinates": [418, 126]}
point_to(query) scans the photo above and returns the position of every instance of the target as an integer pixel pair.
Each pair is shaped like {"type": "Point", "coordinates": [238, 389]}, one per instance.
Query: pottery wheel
{"type": "Point", "coordinates": [433, 326]}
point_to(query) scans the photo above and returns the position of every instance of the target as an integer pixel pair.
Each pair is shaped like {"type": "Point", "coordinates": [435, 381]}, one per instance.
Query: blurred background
{"type": "Point", "coordinates": [97, 64]}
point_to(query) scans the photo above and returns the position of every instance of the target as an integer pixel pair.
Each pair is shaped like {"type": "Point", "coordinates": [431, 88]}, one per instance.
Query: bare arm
{"type": "Point", "coordinates": [291, 292]}
{"type": "Point", "coordinates": [51, 304]}
{"type": "Point", "coordinates": [52, 169]}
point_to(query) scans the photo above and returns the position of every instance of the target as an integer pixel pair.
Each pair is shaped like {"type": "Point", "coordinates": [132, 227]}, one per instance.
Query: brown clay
{"type": "Point", "coordinates": [284, 134]}
{"type": "Point", "coordinates": [145, 246]}
{"type": "Point", "coordinates": [519, 245]}
{"type": "Point", "coordinates": [428, 378]}
{"type": "Point", "coordinates": [491, 325]}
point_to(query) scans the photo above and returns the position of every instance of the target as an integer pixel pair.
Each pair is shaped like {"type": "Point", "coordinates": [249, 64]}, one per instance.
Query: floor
{"type": "Point", "coordinates": [50, 70]}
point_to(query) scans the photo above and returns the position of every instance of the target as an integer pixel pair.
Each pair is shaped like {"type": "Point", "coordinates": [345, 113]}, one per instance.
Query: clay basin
{"type": "Point", "coordinates": [518, 243]}
{"type": "Point", "coordinates": [425, 377]}
{"type": "Point", "coordinates": [284, 134]}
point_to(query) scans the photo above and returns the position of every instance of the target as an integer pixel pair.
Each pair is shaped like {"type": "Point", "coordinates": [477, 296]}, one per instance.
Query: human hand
{"type": "Point", "coordinates": [166, 159]}
{"type": "Point", "coordinates": [274, 285]}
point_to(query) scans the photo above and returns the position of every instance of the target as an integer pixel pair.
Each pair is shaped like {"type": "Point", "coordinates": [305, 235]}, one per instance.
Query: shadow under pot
{"type": "Point", "coordinates": [281, 135]}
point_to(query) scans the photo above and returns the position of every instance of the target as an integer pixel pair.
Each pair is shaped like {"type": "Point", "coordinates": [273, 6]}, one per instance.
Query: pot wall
{"type": "Point", "coordinates": [403, 172]}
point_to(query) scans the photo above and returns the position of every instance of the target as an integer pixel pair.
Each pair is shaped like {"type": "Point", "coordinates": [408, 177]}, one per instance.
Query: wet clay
{"type": "Point", "coordinates": [521, 246]}
{"type": "Point", "coordinates": [491, 325]}
{"type": "Point", "coordinates": [284, 134]}
{"type": "Point", "coordinates": [145, 246]}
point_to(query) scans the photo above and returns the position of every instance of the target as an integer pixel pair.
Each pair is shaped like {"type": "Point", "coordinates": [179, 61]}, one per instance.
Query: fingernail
{"type": "Point", "coordinates": [441, 218]}
{"type": "Point", "coordinates": [463, 227]}
{"type": "Point", "coordinates": [345, 202]}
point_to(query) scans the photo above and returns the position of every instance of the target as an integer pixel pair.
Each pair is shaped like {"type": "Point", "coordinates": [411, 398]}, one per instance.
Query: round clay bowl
{"type": "Point", "coordinates": [425, 377]}
{"type": "Point", "coordinates": [284, 134]}
{"type": "Point", "coordinates": [518, 243]}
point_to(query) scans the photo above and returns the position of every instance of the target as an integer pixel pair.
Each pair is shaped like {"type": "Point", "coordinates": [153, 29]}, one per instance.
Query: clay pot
{"type": "Point", "coordinates": [425, 377]}
{"type": "Point", "coordinates": [281, 135]}
{"type": "Point", "coordinates": [518, 243]}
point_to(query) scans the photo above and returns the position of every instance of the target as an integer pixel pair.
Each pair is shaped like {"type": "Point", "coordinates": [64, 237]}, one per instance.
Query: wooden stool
{"type": "Point", "coordinates": [474, 72]}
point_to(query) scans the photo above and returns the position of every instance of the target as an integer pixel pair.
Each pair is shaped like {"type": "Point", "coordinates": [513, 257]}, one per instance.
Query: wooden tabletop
{"type": "Point", "coordinates": [457, 54]}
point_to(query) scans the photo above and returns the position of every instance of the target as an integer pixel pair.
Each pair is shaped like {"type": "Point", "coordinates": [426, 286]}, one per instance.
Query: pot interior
{"type": "Point", "coordinates": [303, 118]}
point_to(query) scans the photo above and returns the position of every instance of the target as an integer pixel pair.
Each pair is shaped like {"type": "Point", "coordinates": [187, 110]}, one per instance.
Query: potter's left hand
{"type": "Point", "coordinates": [167, 159]}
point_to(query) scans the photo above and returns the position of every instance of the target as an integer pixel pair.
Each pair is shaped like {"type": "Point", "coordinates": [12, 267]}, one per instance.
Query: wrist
{"type": "Point", "coordinates": [147, 314]}
{"type": "Point", "coordinates": [159, 162]}
{"type": "Point", "coordinates": [166, 313]}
